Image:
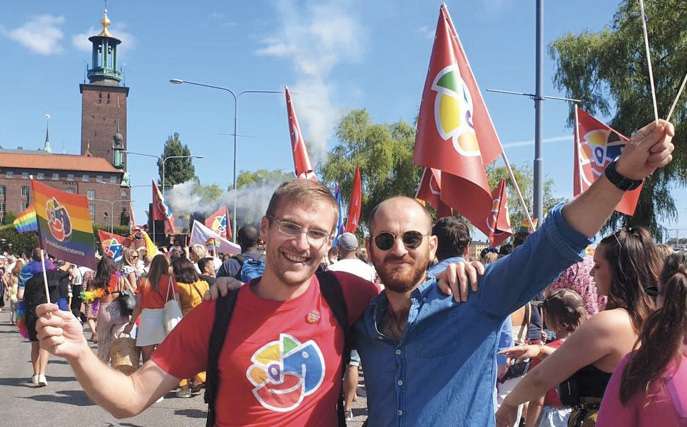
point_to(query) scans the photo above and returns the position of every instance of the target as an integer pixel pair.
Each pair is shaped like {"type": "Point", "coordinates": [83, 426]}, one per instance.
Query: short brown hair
{"type": "Point", "coordinates": [565, 308]}
{"type": "Point", "coordinates": [302, 191]}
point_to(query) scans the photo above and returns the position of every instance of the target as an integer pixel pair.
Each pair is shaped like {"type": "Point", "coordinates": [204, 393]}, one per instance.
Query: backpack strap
{"type": "Point", "coordinates": [224, 308]}
{"type": "Point", "coordinates": [332, 292]}
{"type": "Point", "coordinates": [240, 258]}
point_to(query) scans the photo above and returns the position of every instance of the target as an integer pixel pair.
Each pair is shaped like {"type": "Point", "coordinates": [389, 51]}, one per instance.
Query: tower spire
{"type": "Point", "coordinates": [104, 56]}
{"type": "Point", "coordinates": [46, 146]}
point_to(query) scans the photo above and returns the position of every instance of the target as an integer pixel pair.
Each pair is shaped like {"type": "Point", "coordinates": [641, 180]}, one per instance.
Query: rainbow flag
{"type": "Point", "coordinates": [26, 221]}
{"type": "Point", "coordinates": [64, 225]}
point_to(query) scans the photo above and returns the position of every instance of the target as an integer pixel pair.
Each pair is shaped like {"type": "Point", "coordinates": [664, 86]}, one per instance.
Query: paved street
{"type": "Point", "coordinates": [63, 403]}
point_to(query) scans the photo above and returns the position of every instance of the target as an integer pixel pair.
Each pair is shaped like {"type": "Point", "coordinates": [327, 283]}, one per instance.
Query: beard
{"type": "Point", "coordinates": [402, 281]}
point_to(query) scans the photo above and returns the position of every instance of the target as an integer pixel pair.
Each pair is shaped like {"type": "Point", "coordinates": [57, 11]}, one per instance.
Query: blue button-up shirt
{"type": "Point", "coordinates": [442, 371]}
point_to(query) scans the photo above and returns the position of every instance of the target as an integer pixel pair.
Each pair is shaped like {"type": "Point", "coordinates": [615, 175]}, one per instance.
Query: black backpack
{"type": "Point", "coordinates": [34, 291]}
{"type": "Point", "coordinates": [331, 291]}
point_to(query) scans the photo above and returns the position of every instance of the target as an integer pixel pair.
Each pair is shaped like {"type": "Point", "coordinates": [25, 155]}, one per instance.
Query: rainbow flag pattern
{"type": "Point", "coordinates": [64, 225]}
{"type": "Point", "coordinates": [26, 221]}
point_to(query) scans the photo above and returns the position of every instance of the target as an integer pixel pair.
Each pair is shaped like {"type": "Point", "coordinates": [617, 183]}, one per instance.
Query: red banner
{"type": "Point", "coordinates": [498, 223]}
{"type": "Point", "coordinates": [430, 192]}
{"type": "Point", "coordinates": [597, 146]}
{"type": "Point", "coordinates": [301, 160]}
{"type": "Point", "coordinates": [455, 133]}
{"type": "Point", "coordinates": [161, 210]}
{"type": "Point", "coordinates": [219, 222]}
{"type": "Point", "coordinates": [356, 202]}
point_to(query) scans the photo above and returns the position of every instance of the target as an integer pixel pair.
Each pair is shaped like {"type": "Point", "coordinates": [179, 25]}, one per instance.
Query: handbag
{"type": "Point", "coordinates": [126, 299]}
{"type": "Point", "coordinates": [171, 313]}
{"type": "Point", "coordinates": [124, 354]}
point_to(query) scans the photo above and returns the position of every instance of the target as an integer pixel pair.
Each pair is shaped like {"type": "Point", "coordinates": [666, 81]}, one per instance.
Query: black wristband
{"type": "Point", "coordinates": [621, 182]}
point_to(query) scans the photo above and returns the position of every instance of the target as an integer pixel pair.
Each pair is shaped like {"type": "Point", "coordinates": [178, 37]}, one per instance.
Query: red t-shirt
{"type": "Point", "coordinates": [154, 298]}
{"type": "Point", "coordinates": [551, 398]}
{"type": "Point", "coordinates": [281, 361]}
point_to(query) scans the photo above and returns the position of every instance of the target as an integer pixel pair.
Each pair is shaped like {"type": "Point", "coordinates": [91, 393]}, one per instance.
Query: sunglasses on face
{"type": "Point", "coordinates": [411, 239]}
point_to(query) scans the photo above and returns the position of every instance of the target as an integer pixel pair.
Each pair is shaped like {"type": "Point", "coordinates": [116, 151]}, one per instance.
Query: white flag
{"type": "Point", "coordinates": [205, 236]}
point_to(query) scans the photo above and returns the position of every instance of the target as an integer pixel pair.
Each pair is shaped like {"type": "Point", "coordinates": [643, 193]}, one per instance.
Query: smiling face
{"type": "Point", "coordinates": [601, 272]}
{"type": "Point", "coordinates": [292, 260]}
{"type": "Point", "coordinates": [401, 268]}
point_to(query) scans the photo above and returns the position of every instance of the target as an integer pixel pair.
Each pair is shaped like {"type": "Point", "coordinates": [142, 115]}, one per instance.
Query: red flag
{"type": "Point", "coordinates": [161, 210]}
{"type": "Point", "coordinates": [430, 192]}
{"type": "Point", "coordinates": [113, 245]}
{"type": "Point", "coordinates": [498, 222]}
{"type": "Point", "coordinates": [455, 133]}
{"type": "Point", "coordinates": [596, 146]}
{"type": "Point", "coordinates": [219, 222]}
{"type": "Point", "coordinates": [356, 202]}
{"type": "Point", "coordinates": [301, 160]}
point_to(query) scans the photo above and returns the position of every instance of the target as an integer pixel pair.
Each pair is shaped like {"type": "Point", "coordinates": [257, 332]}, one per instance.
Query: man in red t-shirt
{"type": "Point", "coordinates": [282, 358]}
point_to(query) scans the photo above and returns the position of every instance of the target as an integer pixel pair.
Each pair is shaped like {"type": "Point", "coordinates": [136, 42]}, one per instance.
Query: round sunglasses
{"type": "Point", "coordinates": [411, 239]}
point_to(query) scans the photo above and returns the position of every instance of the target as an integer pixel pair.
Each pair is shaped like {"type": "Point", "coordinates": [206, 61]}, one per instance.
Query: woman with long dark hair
{"type": "Point", "coordinates": [109, 283]}
{"type": "Point", "coordinates": [649, 387]}
{"type": "Point", "coordinates": [626, 268]}
{"type": "Point", "coordinates": [151, 296]}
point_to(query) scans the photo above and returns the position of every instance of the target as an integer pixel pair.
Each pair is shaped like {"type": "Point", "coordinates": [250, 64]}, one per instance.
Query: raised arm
{"type": "Point", "coordinates": [123, 396]}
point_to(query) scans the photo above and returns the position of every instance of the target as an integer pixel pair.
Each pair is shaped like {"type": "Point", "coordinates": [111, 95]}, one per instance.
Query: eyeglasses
{"type": "Point", "coordinates": [134, 256]}
{"type": "Point", "coordinates": [411, 239]}
{"type": "Point", "coordinates": [315, 237]}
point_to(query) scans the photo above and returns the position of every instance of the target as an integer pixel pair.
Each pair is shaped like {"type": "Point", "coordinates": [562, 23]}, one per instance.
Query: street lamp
{"type": "Point", "coordinates": [236, 115]}
{"type": "Point", "coordinates": [164, 159]}
{"type": "Point", "coordinates": [112, 203]}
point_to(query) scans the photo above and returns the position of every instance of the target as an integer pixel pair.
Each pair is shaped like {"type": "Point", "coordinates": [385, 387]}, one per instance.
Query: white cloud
{"type": "Point", "coordinates": [426, 32]}
{"type": "Point", "coordinates": [40, 35]}
{"type": "Point", "coordinates": [531, 141]}
{"type": "Point", "coordinates": [315, 37]}
{"type": "Point", "coordinates": [118, 30]}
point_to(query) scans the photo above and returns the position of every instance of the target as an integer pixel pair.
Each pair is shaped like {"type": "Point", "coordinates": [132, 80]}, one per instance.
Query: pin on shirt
{"type": "Point", "coordinates": [313, 317]}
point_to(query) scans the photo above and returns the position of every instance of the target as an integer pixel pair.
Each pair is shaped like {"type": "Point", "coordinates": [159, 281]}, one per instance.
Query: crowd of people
{"type": "Point", "coordinates": [539, 332]}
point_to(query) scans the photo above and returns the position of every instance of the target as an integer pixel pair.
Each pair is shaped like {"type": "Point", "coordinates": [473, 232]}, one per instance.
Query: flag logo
{"type": "Point", "coordinates": [453, 111]}
{"type": "Point", "coordinates": [598, 148]}
{"type": "Point", "coordinates": [58, 220]}
{"type": "Point", "coordinates": [113, 249]}
{"type": "Point", "coordinates": [285, 371]}
{"type": "Point", "coordinates": [219, 224]}
{"type": "Point", "coordinates": [493, 217]}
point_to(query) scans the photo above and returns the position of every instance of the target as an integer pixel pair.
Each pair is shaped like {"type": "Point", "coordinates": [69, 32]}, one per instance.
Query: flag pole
{"type": "Point", "coordinates": [648, 59]}
{"type": "Point", "coordinates": [679, 92]}
{"type": "Point", "coordinates": [517, 189]}
{"type": "Point", "coordinates": [45, 278]}
{"type": "Point", "coordinates": [576, 155]}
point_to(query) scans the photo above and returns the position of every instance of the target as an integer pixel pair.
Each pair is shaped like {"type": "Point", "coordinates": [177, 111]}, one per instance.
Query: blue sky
{"type": "Point", "coordinates": [336, 55]}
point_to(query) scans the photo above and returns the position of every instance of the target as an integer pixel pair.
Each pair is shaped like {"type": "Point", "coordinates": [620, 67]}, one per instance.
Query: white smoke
{"type": "Point", "coordinates": [251, 201]}
{"type": "Point", "coordinates": [316, 37]}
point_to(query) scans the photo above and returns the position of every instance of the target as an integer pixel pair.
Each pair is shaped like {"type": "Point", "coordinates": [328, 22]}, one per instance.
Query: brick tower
{"type": "Point", "coordinates": [104, 101]}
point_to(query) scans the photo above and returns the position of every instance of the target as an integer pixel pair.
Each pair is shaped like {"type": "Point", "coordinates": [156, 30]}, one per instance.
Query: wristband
{"type": "Point", "coordinates": [621, 182]}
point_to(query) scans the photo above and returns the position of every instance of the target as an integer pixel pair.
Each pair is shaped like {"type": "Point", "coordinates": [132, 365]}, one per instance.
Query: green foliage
{"type": "Point", "coordinates": [17, 243]}
{"type": "Point", "coordinates": [177, 170]}
{"type": "Point", "coordinates": [384, 153]}
{"type": "Point", "coordinates": [8, 218]}
{"type": "Point", "coordinates": [262, 176]}
{"type": "Point", "coordinates": [525, 179]}
{"type": "Point", "coordinates": [209, 192]}
{"type": "Point", "coordinates": [608, 71]}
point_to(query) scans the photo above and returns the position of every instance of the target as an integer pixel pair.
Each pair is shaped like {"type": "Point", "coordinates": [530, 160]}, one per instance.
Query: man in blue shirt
{"type": "Point", "coordinates": [430, 360]}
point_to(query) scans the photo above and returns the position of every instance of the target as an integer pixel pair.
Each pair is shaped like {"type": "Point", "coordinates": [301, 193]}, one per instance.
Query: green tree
{"type": "Point", "coordinates": [8, 218]}
{"type": "Point", "coordinates": [525, 179]}
{"type": "Point", "coordinates": [209, 192]}
{"type": "Point", "coordinates": [262, 176]}
{"type": "Point", "coordinates": [608, 71]}
{"type": "Point", "coordinates": [17, 243]}
{"type": "Point", "coordinates": [176, 170]}
{"type": "Point", "coordinates": [385, 155]}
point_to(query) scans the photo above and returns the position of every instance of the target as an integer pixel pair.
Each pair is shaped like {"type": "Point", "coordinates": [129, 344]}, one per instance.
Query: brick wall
{"type": "Point", "coordinates": [101, 107]}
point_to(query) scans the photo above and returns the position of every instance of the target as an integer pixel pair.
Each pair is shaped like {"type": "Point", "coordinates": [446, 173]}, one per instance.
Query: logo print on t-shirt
{"type": "Point", "coordinates": [285, 371]}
